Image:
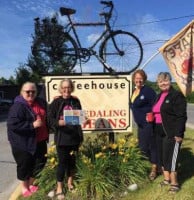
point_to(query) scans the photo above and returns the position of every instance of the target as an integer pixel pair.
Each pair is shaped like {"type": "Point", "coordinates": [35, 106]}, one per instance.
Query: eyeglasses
{"type": "Point", "coordinates": [66, 88]}
{"type": "Point", "coordinates": [30, 91]}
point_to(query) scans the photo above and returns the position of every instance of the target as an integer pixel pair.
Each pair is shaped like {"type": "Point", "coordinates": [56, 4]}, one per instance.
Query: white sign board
{"type": "Point", "coordinates": [105, 98]}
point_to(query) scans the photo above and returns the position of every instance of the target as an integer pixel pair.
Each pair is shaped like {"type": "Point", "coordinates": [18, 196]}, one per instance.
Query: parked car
{"type": "Point", "coordinates": [5, 104]}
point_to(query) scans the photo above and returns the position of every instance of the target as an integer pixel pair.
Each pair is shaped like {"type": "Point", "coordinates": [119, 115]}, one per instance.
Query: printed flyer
{"type": "Point", "coordinates": [74, 117]}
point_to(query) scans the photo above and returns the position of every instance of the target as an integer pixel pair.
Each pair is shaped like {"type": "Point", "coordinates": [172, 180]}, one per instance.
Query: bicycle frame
{"type": "Point", "coordinates": [73, 25]}
{"type": "Point", "coordinates": [107, 30]}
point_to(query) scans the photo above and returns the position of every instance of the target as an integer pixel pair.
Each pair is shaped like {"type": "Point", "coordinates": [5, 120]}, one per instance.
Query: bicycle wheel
{"type": "Point", "coordinates": [70, 52]}
{"type": "Point", "coordinates": [59, 56]}
{"type": "Point", "coordinates": [122, 51]}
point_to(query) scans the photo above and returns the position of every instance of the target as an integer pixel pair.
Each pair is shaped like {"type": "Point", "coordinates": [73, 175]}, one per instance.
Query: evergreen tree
{"type": "Point", "coordinates": [10, 81]}
{"type": "Point", "coordinates": [48, 48]}
{"type": "Point", "coordinates": [22, 74]}
{"type": "Point", "coordinates": [3, 81]}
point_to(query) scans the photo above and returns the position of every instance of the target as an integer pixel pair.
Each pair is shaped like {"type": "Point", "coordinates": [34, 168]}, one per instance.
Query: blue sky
{"type": "Point", "coordinates": [153, 21]}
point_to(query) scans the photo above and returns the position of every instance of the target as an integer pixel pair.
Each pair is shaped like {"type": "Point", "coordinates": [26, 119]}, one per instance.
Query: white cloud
{"type": "Point", "coordinates": [152, 37]}
{"type": "Point", "coordinates": [93, 37]}
{"type": "Point", "coordinates": [40, 7]}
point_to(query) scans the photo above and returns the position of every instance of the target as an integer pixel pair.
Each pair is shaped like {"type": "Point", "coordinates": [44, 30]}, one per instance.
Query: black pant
{"type": "Point", "coordinates": [147, 142]}
{"type": "Point", "coordinates": [29, 165]}
{"type": "Point", "coordinates": [67, 163]}
{"type": "Point", "coordinates": [167, 149]}
{"type": "Point", "coordinates": [25, 163]}
{"type": "Point", "coordinates": [159, 132]}
{"type": "Point", "coordinates": [40, 158]}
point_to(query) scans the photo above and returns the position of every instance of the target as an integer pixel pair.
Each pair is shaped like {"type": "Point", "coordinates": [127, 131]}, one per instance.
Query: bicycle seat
{"type": "Point", "coordinates": [67, 11]}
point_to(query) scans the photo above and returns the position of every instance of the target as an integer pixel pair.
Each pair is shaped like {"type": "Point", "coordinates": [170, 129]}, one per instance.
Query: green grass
{"type": "Point", "coordinates": [153, 191]}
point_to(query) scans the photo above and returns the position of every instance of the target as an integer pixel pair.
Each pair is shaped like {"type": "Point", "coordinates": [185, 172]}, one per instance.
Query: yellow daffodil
{"type": "Point", "coordinates": [98, 155]}
{"type": "Point", "coordinates": [121, 141]}
{"type": "Point", "coordinates": [121, 153]}
{"type": "Point", "coordinates": [104, 148]}
{"type": "Point", "coordinates": [113, 146]}
{"type": "Point", "coordinates": [52, 160]}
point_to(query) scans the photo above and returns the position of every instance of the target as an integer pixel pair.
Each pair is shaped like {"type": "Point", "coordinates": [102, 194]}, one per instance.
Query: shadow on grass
{"type": "Point", "coordinates": [186, 169]}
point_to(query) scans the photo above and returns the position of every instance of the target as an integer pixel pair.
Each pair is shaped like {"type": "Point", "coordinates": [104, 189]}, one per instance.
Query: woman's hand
{"type": "Point", "coordinates": [61, 122]}
{"type": "Point", "coordinates": [37, 123]}
{"type": "Point", "coordinates": [178, 139]}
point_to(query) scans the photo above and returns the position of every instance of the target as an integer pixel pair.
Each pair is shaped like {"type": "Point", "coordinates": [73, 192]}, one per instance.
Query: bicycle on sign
{"type": "Point", "coordinates": [119, 51]}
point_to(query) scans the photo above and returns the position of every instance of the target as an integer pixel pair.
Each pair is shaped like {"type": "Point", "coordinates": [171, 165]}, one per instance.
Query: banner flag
{"type": "Point", "coordinates": [178, 54]}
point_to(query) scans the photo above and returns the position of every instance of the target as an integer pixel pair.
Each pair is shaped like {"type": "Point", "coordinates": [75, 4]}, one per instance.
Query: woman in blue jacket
{"type": "Point", "coordinates": [142, 100]}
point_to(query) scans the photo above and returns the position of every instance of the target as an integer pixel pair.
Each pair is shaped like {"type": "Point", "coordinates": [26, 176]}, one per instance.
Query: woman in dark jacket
{"type": "Point", "coordinates": [170, 119]}
{"type": "Point", "coordinates": [67, 137]}
{"type": "Point", "coordinates": [28, 136]}
{"type": "Point", "coordinates": [141, 104]}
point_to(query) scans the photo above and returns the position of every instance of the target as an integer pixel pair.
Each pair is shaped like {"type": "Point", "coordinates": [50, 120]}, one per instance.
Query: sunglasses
{"type": "Point", "coordinates": [30, 91]}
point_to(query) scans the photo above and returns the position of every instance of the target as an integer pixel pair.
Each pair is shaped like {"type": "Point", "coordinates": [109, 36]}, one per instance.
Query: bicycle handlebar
{"type": "Point", "coordinates": [108, 3]}
{"type": "Point", "coordinates": [108, 14]}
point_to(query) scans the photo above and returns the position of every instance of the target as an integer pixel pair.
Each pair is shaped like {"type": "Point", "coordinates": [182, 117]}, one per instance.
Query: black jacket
{"type": "Point", "coordinates": [174, 113]}
{"type": "Point", "coordinates": [67, 135]}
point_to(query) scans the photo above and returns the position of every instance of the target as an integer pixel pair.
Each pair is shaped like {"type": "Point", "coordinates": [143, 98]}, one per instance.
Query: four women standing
{"type": "Point", "coordinates": [28, 133]}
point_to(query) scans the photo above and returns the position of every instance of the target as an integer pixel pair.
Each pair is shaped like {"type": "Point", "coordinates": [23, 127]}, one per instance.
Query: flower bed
{"type": "Point", "coordinates": [104, 169]}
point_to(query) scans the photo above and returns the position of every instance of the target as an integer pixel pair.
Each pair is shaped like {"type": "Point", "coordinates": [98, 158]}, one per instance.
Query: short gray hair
{"type": "Point", "coordinates": [164, 76]}
{"type": "Point", "coordinates": [70, 83]}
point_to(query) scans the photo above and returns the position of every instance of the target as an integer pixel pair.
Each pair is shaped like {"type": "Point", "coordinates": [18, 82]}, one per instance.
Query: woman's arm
{"type": "Point", "coordinates": [20, 119]}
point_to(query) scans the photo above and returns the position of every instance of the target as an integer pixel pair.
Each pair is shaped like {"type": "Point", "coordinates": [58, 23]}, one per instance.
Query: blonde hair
{"type": "Point", "coordinates": [141, 72]}
{"type": "Point", "coordinates": [66, 80]}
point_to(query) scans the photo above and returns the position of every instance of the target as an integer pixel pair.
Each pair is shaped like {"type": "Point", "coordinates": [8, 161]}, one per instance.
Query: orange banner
{"type": "Point", "coordinates": [178, 54]}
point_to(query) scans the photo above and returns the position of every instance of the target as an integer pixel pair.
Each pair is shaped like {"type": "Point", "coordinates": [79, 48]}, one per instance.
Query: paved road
{"type": "Point", "coordinates": [8, 181]}
{"type": "Point", "coordinates": [190, 113]}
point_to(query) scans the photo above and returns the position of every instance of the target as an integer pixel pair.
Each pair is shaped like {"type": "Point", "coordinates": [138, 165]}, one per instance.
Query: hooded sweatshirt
{"type": "Point", "coordinates": [20, 130]}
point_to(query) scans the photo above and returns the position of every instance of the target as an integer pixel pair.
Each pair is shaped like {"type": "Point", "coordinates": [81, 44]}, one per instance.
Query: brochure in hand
{"type": "Point", "coordinates": [74, 117]}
